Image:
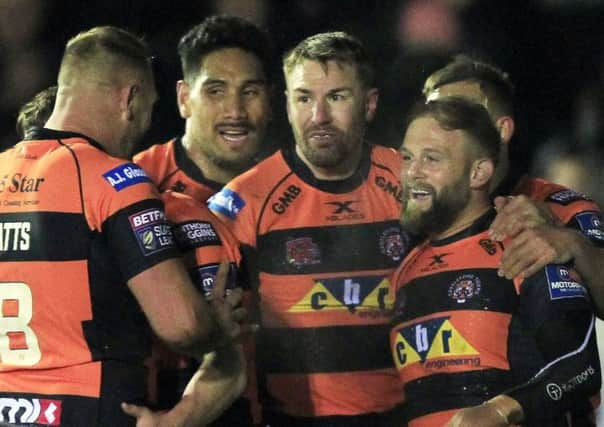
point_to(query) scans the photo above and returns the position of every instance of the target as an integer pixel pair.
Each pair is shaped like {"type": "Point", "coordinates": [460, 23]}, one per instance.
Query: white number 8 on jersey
{"type": "Point", "coordinates": [18, 342]}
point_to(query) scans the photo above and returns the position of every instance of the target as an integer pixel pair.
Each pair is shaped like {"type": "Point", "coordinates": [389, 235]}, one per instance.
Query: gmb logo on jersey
{"type": "Point", "coordinates": [591, 225]}
{"type": "Point", "coordinates": [152, 231]}
{"type": "Point", "coordinates": [436, 343]}
{"type": "Point", "coordinates": [359, 295]}
{"type": "Point", "coordinates": [226, 202]}
{"type": "Point", "coordinates": [125, 175]}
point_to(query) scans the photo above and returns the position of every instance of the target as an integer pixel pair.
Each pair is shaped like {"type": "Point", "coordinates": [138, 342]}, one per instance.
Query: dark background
{"type": "Point", "coordinates": [553, 50]}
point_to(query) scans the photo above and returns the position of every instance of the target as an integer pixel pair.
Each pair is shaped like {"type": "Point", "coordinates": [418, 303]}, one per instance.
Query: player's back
{"type": "Point", "coordinates": [70, 328]}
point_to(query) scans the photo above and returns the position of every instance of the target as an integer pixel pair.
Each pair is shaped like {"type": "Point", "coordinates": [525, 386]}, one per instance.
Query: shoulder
{"type": "Point", "coordinates": [154, 152]}
{"type": "Point", "coordinates": [386, 158]}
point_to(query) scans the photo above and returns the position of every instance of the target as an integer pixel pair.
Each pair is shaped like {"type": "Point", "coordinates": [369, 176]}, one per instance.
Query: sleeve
{"type": "Point", "coordinates": [237, 211]}
{"type": "Point", "coordinates": [590, 224]}
{"type": "Point", "coordinates": [556, 309]}
{"type": "Point", "coordinates": [139, 237]}
{"type": "Point", "coordinates": [124, 206]}
{"type": "Point", "coordinates": [578, 211]}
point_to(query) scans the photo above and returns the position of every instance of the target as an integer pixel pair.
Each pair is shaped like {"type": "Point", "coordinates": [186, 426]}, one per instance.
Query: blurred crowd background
{"type": "Point", "coordinates": [552, 49]}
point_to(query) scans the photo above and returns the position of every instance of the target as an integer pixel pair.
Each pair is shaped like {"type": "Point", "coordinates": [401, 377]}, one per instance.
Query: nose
{"type": "Point", "coordinates": [234, 107]}
{"type": "Point", "coordinates": [321, 113]}
{"type": "Point", "coordinates": [412, 168]}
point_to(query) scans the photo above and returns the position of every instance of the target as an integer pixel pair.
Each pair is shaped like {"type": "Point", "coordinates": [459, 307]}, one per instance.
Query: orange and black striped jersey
{"type": "Point", "coordinates": [75, 225]}
{"type": "Point", "coordinates": [463, 335]}
{"type": "Point", "coordinates": [170, 168]}
{"type": "Point", "coordinates": [321, 252]}
{"type": "Point", "coordinates": [570, 207]}
{"type": "Point", "coordinates": [204, 241]}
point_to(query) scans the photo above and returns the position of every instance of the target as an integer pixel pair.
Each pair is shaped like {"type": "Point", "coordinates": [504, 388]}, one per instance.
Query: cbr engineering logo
{"type": "Point", "coordinates": [429, 341]}
{"type": "Point", "coordinates": [355, 294]}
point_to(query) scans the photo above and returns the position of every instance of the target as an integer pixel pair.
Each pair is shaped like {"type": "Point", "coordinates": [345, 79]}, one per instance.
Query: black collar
{"type": "Point", "coordinates": [340, 186]}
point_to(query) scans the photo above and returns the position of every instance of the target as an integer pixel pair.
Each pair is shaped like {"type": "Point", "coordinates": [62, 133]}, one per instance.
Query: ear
{"type": "Point", "coordinates": [481, 173]}
{"type": "Point", "coordinates": [505, 126]}
{"type": "Point", "coordinates": [287, 106]}
{"type": "Point", "coordinates": [371, 102]}
{"type": "Point", "coordinates": [127, 95]}
{"type": "Point", "coordinates": [182, 98]}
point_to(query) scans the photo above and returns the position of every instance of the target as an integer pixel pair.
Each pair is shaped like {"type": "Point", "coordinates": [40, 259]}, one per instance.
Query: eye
{"type": "Point", "coordinates": [250, 92]}
{"type": "Point", "coordinates": [430, 158]}
{"type": "Point", "coordinates": [337, 97]}
{"type": "Point", "coordinates": [303, 99]}
{"type": "Point", "coordinates": [215, 91]}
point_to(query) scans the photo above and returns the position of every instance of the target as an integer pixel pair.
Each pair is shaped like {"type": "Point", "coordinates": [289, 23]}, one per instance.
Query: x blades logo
{"type": "Point", "coordinates": [342, 207]}
{"type": "Point", "coordinates": [437, 262]}
{"type": "Point", "coordinates": [343, 211]}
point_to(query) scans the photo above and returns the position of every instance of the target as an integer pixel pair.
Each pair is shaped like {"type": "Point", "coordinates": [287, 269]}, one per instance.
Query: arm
{"type": "Point", "coordinates": [221, 377]}
{"type": "Point", "coordinates": [212, 389]}
{"type": "Point", "coordinates": [536, 240]}
{"type": "Point", "coordinates": [176, 311]}
{"type": "Point", "coordinates": [562, 325]}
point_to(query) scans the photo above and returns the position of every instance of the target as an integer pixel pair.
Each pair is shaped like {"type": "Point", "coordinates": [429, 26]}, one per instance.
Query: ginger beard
{"type": "Point", "coordinates": [328, 146]}
{"type": "Point", "coordinates": [428, 212]}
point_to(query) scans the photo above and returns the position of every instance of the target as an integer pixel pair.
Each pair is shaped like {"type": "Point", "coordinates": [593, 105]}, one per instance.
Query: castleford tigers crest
{"type": "Point", "coordinates": [464, 288]}
{"type": "Point", "coordinates": [393, 243]}
{"type": "Point", "coordinates": [302, 251]}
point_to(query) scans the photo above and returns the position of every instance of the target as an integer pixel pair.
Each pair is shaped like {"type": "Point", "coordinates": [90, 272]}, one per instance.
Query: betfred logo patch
{"type": "Point", "coordinates": [565, 197]}
{"type": "Point", "coordinates": [34, 412]}
{"type": "Point", "coordinates": [226, 202]}
{"type": "Point", "coordinates": [125, 176]}
{"type": "Point", "coordinates": [591, 225]}
{"type": "Point", "coordinates": [563, 283]}
{"type": "Point", "coordinates": [152, 231]}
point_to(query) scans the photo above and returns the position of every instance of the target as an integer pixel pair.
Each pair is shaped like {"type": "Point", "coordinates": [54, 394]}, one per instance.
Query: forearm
{"type": "Point", "coordinates": [218, 382]}
{"type": "Point", "coordinates": [508, 409]}
{"type": "Point", "coordinates": [571, 372]}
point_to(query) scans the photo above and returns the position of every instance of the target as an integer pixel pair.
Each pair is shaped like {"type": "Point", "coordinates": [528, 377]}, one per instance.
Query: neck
{"type": "Point", "coordinates": [343, 170]}
{"type": "Point", "coordinates": [86, 116]}
{"type": "Point", "coordinates": [466, 217]}
{"type": "Point", "coordinates": [210, 169]}
{"type": "Point", "coordinates": [503, 167]}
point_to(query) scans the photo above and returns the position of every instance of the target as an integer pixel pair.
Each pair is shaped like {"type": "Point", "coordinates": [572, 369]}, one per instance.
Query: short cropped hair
{"type": "Point", "coordinates": [338, 46]}
{"type": "Point", "coordinates": [104, 46]}
{"type": "Point", "coordinates": [36, 112]}
{"type": "Point", "coordinates": [221, 32]}
{"type": "Point", "coordinates": [494, 82]}
{"type": "Point", "coordinates": [455, 113]}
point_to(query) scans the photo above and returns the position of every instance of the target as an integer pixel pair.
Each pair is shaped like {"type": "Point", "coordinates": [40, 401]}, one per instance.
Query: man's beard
{"type": "Point", "coordinates": [444, 210]}
{"type": "Point", "coordinates": [338, 151]}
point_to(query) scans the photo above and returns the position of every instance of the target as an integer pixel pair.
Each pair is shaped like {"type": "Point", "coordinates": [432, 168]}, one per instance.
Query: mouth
{"type": "Point", "coordinates": [234, 135]}
{"type": "Point", "coordinates": [419, 196]}
{"type": "Point", "coordinates": [321, 136]}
